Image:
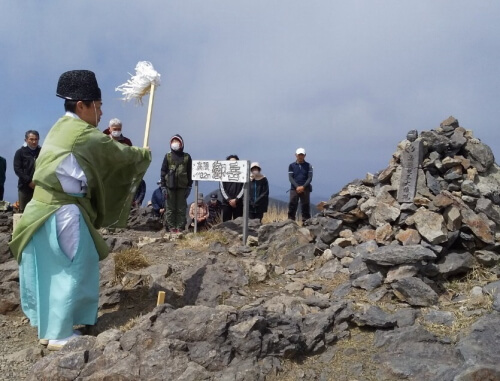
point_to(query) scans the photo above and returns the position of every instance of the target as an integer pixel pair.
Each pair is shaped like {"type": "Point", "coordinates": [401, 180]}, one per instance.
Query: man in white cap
{"type": "Point", "coordinates": [84, 181]}
{"type": "Point", "coordinates": [300, 174]}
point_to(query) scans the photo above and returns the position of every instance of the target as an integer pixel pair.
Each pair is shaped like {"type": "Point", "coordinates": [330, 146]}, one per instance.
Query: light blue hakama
{"type": "Point", "coordinates": [56, 292]}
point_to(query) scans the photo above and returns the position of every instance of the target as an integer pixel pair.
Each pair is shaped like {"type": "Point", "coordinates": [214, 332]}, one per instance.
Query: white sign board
{"type": "Point", "coordinates": [220, 170]}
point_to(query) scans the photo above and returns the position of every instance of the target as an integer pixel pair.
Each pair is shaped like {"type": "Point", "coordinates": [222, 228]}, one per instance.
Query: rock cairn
{"type": "Point", "coordinates": [448, 225]}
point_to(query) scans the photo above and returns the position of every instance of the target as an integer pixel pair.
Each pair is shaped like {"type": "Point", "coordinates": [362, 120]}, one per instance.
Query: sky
{"type": "Point", "coordinates": [346, 80]}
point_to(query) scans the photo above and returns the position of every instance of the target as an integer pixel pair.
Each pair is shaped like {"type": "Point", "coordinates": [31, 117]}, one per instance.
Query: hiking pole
{"type": "Point", "coordinates": [145, 81]}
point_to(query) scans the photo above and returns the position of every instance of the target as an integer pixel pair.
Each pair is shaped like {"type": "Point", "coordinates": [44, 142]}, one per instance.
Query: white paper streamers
{"type": "Point", "coordinates": [140, 83]}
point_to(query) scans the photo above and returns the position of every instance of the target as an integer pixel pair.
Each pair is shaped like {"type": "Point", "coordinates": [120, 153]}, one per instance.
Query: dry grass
{"type": "Point", "coordinates": [466, 310]}
{"type": "Point", "coordinates": [130, 324]}
{"type": "Point", "coordinates": [357, 349]}
{"type": "Point", "coordinates": [129, 260]}
{"type": "Point", "coordinates": [202, 240]}
{"type": "Point", "coordinates": [275, 214]}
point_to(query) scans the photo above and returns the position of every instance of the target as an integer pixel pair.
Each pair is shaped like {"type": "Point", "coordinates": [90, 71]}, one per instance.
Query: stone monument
{"type": "Point", "coordinates": [411, 161]}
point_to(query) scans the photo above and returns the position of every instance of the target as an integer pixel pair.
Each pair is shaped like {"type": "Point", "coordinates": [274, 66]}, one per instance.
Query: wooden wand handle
{"type": "Point", "coordinates": [148, 117]}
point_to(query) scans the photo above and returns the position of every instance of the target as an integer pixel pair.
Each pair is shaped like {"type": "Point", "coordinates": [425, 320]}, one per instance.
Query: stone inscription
{"type": "Point", "coordinates": [411, 160]}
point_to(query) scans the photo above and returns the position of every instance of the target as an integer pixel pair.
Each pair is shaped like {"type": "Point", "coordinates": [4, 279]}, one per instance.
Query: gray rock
{"type": "Point", "coordinates": [493, 289]}
{"type": "Point", "coordinates": [480, 347]}
{"type": "Point", "coordinates": [439, 317]}
{"type": "Point", "coordinates": [9, 271]}
{"type": "Point", "coordinates": [358, 268]}
{"type": "Point", "coordinates": [350, 205]}
{"type": "Point", "coordinates": [414, 292]}
{"type": "Point", "coordinates": [486, 206]}
{"type": "Point", "coordinates": [432, 183]}
{"type": "Point", "coordinates": [369, 281]}
{"type": "Point", "coordinates": [331, 231]}
{"type": "Point", "coordinates": [315, 327]}
{"type": "Point", "coordinates": [375, 317]}
{"type": "Point", "coordinates": [405, 317]}
{"type": "Point", "coordinates": [469, 188]}
{"type": "Point", "coordinates": [487, 258]}
{"type": "Point", "coordinates": [399, 272]}
{"type": "Point", "coordinates": [480, 155]}
{"type": "Point", "coordinates": [480, 373]}
{"type": "Point", "coordinates": [420, 356]}
{"type": "Point", "coordinates": [399, 255]}
{"type": "Point", "coordinates": [366, 247]}
{"type": "Point", "coordinates": [430, 225]}
{"type": "Point", "coordinates": [207, 283]}
{"type": "Point", "coordinates": [330, 269]}
{"type": "Point", "coordinates": [479, 224]}
{"type": "Point", "coordinates": [455, 264]}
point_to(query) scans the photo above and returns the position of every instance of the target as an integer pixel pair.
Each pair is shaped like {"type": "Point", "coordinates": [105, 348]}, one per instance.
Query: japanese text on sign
{"type": "Point", "coordinates": [224, 170]}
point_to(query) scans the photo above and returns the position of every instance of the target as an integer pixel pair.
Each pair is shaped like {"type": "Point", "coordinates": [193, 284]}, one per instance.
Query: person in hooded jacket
{"type": "Point", "coordinates": [259, 193]}
{"type": "Point", "coordinates": [232, 197]}
{"type": "Point", "coordinates": [176, 184]}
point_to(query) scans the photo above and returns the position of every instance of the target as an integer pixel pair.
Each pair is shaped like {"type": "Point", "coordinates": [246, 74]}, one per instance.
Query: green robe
{"type": "Point", "coordinates": [113, 173]}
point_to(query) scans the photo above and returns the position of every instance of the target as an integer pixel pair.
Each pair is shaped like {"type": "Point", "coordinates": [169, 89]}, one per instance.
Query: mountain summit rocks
{"type": "Point", "coordinates": [378, 285]}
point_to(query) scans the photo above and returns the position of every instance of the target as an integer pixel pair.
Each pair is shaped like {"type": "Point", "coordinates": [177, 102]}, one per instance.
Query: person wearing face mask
{"type": "Point", "coordinates": [259, 193]}
{"type": "Point", "coordinates": [114, 130]}
{"type": "Point", "coordinates": [84, 181]}
{"type": "Point", "coordinates": [176, 184]}
{"type": "Point", "coordinates": [24, 167]}
{"type": "Point", "coordinates": [232, 197]}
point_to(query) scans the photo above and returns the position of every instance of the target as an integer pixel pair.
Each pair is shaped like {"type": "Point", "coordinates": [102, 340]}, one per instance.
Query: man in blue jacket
{"type": "Point", "coordinates": [300, 174]}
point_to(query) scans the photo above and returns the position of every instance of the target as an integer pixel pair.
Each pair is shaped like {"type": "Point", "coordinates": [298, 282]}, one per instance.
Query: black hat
{"type": "Point", "coordinates": [78, 85]}
{"type": "Point", "coordinates": [232, 157]}
{"type": "Point", "coordinates": [213, 196]}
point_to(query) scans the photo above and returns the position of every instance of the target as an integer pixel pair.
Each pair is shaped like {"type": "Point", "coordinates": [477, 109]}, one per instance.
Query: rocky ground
{"type": "Point", "coordinates": [372, 288]}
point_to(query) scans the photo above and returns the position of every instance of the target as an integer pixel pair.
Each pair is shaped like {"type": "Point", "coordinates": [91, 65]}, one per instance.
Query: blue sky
{"type": "Point", "coordinates": [344, 79]}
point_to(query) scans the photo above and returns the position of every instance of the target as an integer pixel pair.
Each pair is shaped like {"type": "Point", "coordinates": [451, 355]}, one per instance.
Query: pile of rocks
{"type": "Point", "coordinates": [440, 190]}
{"type": "Point", "coordinates": [433, 212]}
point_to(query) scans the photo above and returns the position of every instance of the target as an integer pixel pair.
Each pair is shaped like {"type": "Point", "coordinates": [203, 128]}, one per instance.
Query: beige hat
{"type": "Point", "coordinates": [300, 151]}
{"type": "Point", "coordinates": [255, 164]}
{"type": "Point", "coordinates": [200, 196]}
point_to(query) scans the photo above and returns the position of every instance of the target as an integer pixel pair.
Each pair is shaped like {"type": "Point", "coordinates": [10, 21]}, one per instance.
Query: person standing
{"type": "Point", "coordinates": [300, 174]}
{"type": "Point", "coordinates": [176, 184]}
{"type": "Point", "coordinates": [84, 181]}
{"type": "Point", "coordinates": [24, 167]}
{"type": "Point", "coordinates": [259, 192]}
{"type": "Point", "coordinates": [3, 168]}
{"type": "Point", "coordinates": [232, 197]}
{"type": "Point", "coordinates": [114, 130]}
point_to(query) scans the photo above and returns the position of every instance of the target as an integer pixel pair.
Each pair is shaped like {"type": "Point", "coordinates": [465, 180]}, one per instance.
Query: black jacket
{"type": "Point", "coordinates": [259, 195]}
{"type": "Point", "coordinates": [24, 165]}
{"type": "Point", "coordinates": [230, 191]}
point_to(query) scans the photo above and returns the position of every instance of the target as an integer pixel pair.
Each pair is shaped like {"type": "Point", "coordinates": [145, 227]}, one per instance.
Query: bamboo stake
{"type": "Point", "coordinates": [148, 117]}
{"type": "Point", "coordinates": [161, 298]}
